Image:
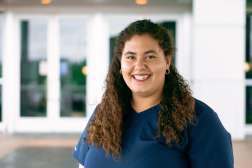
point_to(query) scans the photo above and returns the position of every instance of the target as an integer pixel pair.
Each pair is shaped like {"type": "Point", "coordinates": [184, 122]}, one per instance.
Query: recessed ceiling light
{"type": "Point", "coordinates": [46, 2]}
{"type": "Point", "coordinates": [141, 2]}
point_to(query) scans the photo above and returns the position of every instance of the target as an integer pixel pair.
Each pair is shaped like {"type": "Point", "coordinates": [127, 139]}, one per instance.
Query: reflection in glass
{"type": "Point", "coordinates": [248, 57]}
{"type": "Point", "coordinates": [1, 42]}
{"type": "Point", "coordinates": [33, 61]}
{"type": "Point", "coordinates": [1, 50]}
{"type": "Point", "coordinates": [249, 104]}
{"type": "Point", "coordinates": [72, 68]}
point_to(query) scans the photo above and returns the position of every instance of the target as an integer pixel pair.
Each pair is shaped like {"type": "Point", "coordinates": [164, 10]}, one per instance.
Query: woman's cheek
{"type": "Point", "coordinates": [125, 66]}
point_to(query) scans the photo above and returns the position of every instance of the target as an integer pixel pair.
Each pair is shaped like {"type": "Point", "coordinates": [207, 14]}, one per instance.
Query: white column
{"type": "Point", "coordinates": [218, 59]}
{"type": "Point", "coordinates": [53, 77]}
{"type": "Point", "coordinates": [11, 73]}
{"type": "Point", "coordinates": [97, 60]}
{"type": "Point", "coordinates": [184, 46]}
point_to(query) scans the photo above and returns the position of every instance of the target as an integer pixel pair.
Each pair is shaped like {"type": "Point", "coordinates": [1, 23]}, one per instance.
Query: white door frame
{"type": "Point", "coordinates": [52, 122]}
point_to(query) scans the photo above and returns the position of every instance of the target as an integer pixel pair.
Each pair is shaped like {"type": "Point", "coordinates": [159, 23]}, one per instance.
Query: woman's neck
{"type": "Point", "coordinates": [140, 104]}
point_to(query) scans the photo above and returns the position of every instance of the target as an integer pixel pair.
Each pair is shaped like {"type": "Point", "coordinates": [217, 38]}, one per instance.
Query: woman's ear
{"type": "Point", "coordinates": [168, 60]}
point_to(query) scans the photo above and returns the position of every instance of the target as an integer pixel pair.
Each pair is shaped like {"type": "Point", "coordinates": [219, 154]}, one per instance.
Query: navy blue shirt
{"type": "Point", "coordinates": [205, 144]}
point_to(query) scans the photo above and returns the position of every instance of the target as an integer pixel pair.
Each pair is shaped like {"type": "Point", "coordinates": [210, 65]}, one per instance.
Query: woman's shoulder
{"type": "Point", "coordinates": [202, 108]}
{"type": "Point", "coordinates": [204, 114]}
{"type": "Point", "coordinates": [206, 121]}
{"type": "Point", "coordinates": [209, 143]}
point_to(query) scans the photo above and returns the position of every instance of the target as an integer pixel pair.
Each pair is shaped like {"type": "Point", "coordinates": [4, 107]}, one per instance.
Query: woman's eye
{"type": "Point", "coordinates": [150, 56]}
{"type": "Point", "coordinates": [130, 57]}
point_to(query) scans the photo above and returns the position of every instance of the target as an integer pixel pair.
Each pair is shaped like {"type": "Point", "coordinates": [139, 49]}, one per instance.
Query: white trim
{"type": "Point", "coordinates": [53, 78]}
{"type": "Point", "coordinates": [10, 92]}
{"type": "Point", "coordinates": [248, 129]}
{"type": "Point", "coordinates": [184, 59]}
{"type": "Point", "coordinates": [2, 127]}
{"type": "Point", "coordinates": [248, 82]}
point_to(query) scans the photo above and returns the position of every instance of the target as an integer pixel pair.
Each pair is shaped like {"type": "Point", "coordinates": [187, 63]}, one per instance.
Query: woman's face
{"type": "Point", "coordinates": [143, 65]}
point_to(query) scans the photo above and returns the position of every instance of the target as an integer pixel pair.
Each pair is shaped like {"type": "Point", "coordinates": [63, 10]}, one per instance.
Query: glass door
{"type": "Point", "coordinates": [248, 70]}
{"type": "Point", "coordinates": [53, 74]}
{"type": "Point", "coordinates": [248, 74]}
{"type": "Point", "coordinates": [33, 74]}
{"type": "Point", "coordinates": [33, 68]}
{"type": "Point", "coordinates": [73, 67]}
{"type": "Point", "coordinates": [1, 55]}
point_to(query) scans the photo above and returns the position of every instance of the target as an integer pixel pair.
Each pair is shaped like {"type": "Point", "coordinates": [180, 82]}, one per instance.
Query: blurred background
{"type": "Point", "coordinates": [54, 56]}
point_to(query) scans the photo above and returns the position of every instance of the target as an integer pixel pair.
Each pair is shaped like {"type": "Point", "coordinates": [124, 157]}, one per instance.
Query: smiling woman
{"type": "Point", "coordinates": [143, 67]}
{"type": "Point", "coordinates": [147, 117]}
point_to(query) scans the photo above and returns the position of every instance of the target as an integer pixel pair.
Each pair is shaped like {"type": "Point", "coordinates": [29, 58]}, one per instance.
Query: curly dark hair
{"type": "Point", "coordinates": [176, 106]}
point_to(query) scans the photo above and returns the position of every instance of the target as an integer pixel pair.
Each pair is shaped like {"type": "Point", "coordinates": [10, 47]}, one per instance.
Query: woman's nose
{"type": "Point", "coordinates": [140, 63]}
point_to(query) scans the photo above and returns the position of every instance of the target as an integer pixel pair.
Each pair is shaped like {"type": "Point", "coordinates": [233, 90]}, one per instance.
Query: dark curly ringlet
{"type": "Point", "coordinates": [177, 103]}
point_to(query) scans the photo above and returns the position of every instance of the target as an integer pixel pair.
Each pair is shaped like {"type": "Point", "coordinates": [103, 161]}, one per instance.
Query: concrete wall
{"type": "Point", "coordinates": [218, 59]}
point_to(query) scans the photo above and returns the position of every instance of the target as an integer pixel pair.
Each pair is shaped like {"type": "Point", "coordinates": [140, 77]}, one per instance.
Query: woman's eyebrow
{"type": "Point", "coordinates": [150, 52]}
{"type": "Point", "coordinates": [129, 53]}
{"type": "Point", "coordinates": [146, 52]}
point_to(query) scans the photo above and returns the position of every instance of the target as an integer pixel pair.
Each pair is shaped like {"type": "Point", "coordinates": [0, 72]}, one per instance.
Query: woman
{"type": "Point", "coordinates": [148, 117]}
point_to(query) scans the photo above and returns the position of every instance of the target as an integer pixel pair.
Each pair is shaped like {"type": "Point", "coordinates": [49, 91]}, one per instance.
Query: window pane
{"type": "Point", "coordinates": [33, 67]}
{"type": "Point", "coordinates": [72, 67]}
{"type": "Point", "coordinates": [249, 105]}
{"type": "Point", "coordinates": [248, 64]}
{"type": "Point", "coordinates": [1, 50]}
{"type": "Point", "coordinates": [1, 42]}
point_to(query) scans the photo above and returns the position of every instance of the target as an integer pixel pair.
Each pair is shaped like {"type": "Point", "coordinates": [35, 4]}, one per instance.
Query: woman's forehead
{"type": "Point", "coordinates": [141, 42]}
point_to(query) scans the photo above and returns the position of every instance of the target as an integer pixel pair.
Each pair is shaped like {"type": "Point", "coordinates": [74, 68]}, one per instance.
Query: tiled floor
{"type": "Point", "coordinates": [39, 157]}
{"type": "Point", "coordinates": [55, 151]}
{"type": "Point", "coordinates": [37, 151]}
{"type": "Point", "coordinates": [243, 153]}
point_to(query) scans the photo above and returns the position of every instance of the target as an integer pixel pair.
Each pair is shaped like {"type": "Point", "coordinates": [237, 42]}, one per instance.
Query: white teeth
{"type": "Point", "coordinates": [141, 77]}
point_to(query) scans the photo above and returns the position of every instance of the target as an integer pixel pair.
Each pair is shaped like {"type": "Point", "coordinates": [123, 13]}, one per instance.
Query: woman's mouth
{"type": "Point", "coordinates": [140, 77]}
